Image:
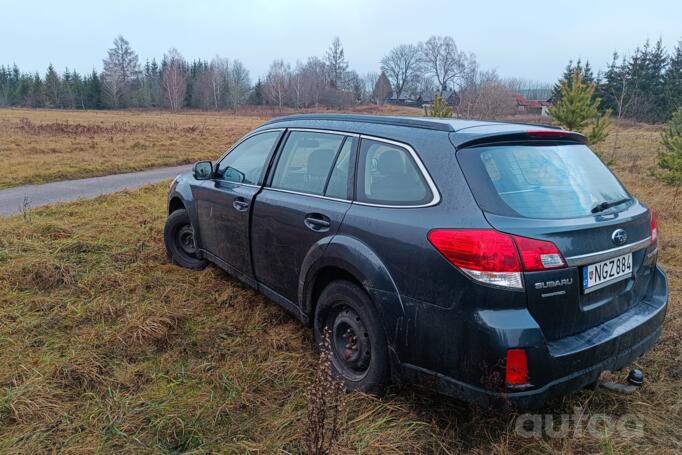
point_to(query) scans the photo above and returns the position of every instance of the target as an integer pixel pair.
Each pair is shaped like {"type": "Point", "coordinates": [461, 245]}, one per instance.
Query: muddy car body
{"type": "Point", "coordinates": [494, 262]}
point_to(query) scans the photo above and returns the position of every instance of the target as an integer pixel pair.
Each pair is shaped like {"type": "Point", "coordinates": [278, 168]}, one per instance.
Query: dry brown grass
{"type": "Point", "coordinates": [38, 146]}
{"type": "Point", "coordinates": [127, 353]}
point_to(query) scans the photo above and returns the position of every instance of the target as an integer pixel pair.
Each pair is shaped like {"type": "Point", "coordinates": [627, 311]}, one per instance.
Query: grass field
{"type": "Point", "coordinates": [47, 145]}
{"type": "Point", "coordinates": [106, 347]}
{"type": "Point", "coordinates": [38, 146]}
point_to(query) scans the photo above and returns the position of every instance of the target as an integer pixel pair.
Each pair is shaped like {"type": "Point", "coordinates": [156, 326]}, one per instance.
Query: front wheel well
{"type": "Point", "coordinates": [175, 204]}
{"type": "Point", "coordinates": [322, 279]}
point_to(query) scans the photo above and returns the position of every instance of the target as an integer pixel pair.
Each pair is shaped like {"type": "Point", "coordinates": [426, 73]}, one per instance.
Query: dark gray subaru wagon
{"type": "Point", "coordinates": [489, 261]}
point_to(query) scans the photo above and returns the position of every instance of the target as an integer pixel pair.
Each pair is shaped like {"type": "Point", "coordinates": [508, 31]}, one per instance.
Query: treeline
{"type": "Point", "coordinates": [645, 86]}
{"type": "Point", "coordinates": [174, 83]}
{"type": "Point", "coordinates": [406, 71]}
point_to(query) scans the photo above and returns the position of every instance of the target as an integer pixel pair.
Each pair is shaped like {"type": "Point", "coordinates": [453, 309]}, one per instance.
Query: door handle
{"type": "Point", "coordinates": [240, 204]}
{"type": "Point", "coordinates": [317, 222]}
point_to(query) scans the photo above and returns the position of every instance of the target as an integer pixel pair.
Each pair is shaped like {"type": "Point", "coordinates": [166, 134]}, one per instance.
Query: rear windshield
{"type": "Point", "coordinates": [550, 182]}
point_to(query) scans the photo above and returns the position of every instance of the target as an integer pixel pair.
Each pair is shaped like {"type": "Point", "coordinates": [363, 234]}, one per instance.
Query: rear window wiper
{"type": "Point", "coordinates": [607, 205]}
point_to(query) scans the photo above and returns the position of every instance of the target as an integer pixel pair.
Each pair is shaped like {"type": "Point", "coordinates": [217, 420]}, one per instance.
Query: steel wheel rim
{"type": "Point", "coordinates": [351, 347]}
{"type": "Point", "coordinates": [185, 240]}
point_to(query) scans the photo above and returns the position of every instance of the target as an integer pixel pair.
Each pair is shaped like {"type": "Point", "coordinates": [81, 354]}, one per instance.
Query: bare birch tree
{"type": "Point", "coordinates": [276, 82]}
{"type": "Point", "coordinates": [238, 83]}
{"type": "Point", "coordinates": [218, 80]}
{"type": "Point", "coordinates": [314, 79]}
{"type": "Point", "coordinates": [298, 86]}
{"type": "Point", "coordinates": [121, 67]}
{"type": "Point", "coordinates": [174, 79]}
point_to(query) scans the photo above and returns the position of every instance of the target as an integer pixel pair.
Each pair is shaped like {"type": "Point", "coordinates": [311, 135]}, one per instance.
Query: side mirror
{"type": "Point", "coordinates": [203, 170]}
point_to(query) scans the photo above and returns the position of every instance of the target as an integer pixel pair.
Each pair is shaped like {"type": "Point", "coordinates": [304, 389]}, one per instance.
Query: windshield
{"type": "Point", "coordinates": [550, 182]}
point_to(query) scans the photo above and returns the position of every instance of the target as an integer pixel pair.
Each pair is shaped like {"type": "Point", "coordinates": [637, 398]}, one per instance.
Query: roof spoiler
{"type": "Point", "coordinates": [540, 135]}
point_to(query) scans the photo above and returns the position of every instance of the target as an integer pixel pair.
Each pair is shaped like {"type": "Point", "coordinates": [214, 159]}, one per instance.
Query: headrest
{"type": "Point", "coordinates": [390, 163]}
{"type": "Point", "coordinates": [318, 162]}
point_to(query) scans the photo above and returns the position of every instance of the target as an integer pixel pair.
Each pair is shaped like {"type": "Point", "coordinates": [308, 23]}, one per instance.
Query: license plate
{"type": "Point", "coordinates": [596, 276]}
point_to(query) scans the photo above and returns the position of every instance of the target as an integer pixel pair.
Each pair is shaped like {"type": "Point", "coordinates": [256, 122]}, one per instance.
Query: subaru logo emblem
{"type": "Point", "coordinates": [619, 236]}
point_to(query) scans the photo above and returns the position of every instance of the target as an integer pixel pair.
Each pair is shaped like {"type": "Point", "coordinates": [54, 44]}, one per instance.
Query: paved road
{"type": "Point", "coordinates": [12, 199]}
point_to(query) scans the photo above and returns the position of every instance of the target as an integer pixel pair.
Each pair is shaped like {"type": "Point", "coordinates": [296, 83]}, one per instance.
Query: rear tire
{"type": "Point", "coordinates": [178, 235]}
{"type": "Point", "coordinates": [359, 350]}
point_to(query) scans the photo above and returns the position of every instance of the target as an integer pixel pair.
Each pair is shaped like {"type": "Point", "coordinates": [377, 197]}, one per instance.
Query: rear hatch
{"type": "Point", "coordinates": [561, 192]}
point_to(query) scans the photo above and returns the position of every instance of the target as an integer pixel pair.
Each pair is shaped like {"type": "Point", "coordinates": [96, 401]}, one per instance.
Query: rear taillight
{"type": "Point", "coordinates": [516, 369]}
{"type": "Point", "coordinates": [654, 229]}
{"type": "Point", "coordinates": [484, 254]}
{"type": "Point", "coordinates": [538, 254]}
{"type": "Point", "coordinates": [493, 257]}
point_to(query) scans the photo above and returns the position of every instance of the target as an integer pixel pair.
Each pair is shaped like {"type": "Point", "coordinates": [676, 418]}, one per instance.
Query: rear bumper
{"type": "Point", "coordinates": [570, 363]}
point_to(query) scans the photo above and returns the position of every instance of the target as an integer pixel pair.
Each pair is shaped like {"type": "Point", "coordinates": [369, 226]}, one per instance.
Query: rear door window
{"type": "Point", "coordinates": [338, 184]}
{"type": "Point", "coordinates": [549, 182]}
{"type": "Point", "coordinates": [388, 175]}
{"type": "Point", "coordinates": [306, 162]}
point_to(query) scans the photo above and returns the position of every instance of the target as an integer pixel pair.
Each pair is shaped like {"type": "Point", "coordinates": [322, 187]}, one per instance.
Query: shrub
{"type": "Point", "coordinates": [439, 108]}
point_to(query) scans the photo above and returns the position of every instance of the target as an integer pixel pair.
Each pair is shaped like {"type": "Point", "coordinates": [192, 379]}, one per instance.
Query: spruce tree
{"type": "Point", "coordinates": [257, 97]}
{"type": "Point", "coordinates": [53, 87]}
{"type": "Point", "coordinates": [586, 76]}
{"type": "Point", "coordinates": [566, 77]}
{"type": "Point", "coordinates": [382, 89]}
{"type": "Point", "coordinates": [578, 110]}
{"type": "Point", "coordinates": [77, 89]}
{"type": "Point", "coordinates": [14, 98]}
{"type": "Point", "coordinates": [68, 99]}
{"type": "Point", "coordinates": [616, 89]}
{"type": "Point", "coordinates": [646, 73]}
{"type": "Point", "coordinates": [36, 95]}
{"type": "Point", "coordinates": [670, 157]}
{"type": "Point", "coordinates": [93, 91]}
{"type": "Point", "coordinates": [5, 85]}
{"type": "Point", "coordinates": [657, 63]}
{"type": "Point", "coordinates": [672, 83]}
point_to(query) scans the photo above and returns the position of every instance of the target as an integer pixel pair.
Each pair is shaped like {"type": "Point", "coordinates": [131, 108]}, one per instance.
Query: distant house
{"type": "Point", "coordinates": [425, 99]}
{"type": "Point", "coordinates": [451, 97]}
{"type": "Point", "coordinates": [405, 99]}
{"type": "Point", "coordinates": [532, 106]}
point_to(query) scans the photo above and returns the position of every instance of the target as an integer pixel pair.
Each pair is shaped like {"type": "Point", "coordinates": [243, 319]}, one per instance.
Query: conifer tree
{"type": "Point", "coordinates": [587, 77]}
{"type": "Point", "coordinates": [35, 96]}
{"type": "Point", "coordinates": [257, 97]}
{"type": "Point", "coordinates": [93, 91]}
{"type": "Point", "coordinates": [53, 89]}
{"type": "Point", "coordinates": [5, 85]}
{"type": "Point", "coordinates": [672, 83]}
{"type": "Point", "coordinates": [578, 110]}
{"type": "Point", "coordinates": [439, 109]}
{"type": "Point", "coordinates": [382, 89]}
{"type": "Point", "coordinates": [670, 157]}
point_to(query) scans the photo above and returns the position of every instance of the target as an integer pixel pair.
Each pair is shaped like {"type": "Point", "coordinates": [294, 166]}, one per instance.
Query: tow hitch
{"type": "Point", "coordinates": [635, 380]}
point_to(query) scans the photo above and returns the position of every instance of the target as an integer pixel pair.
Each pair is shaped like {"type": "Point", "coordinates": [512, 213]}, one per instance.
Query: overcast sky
{"type": "Point", "coordinates": [521, 38]}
